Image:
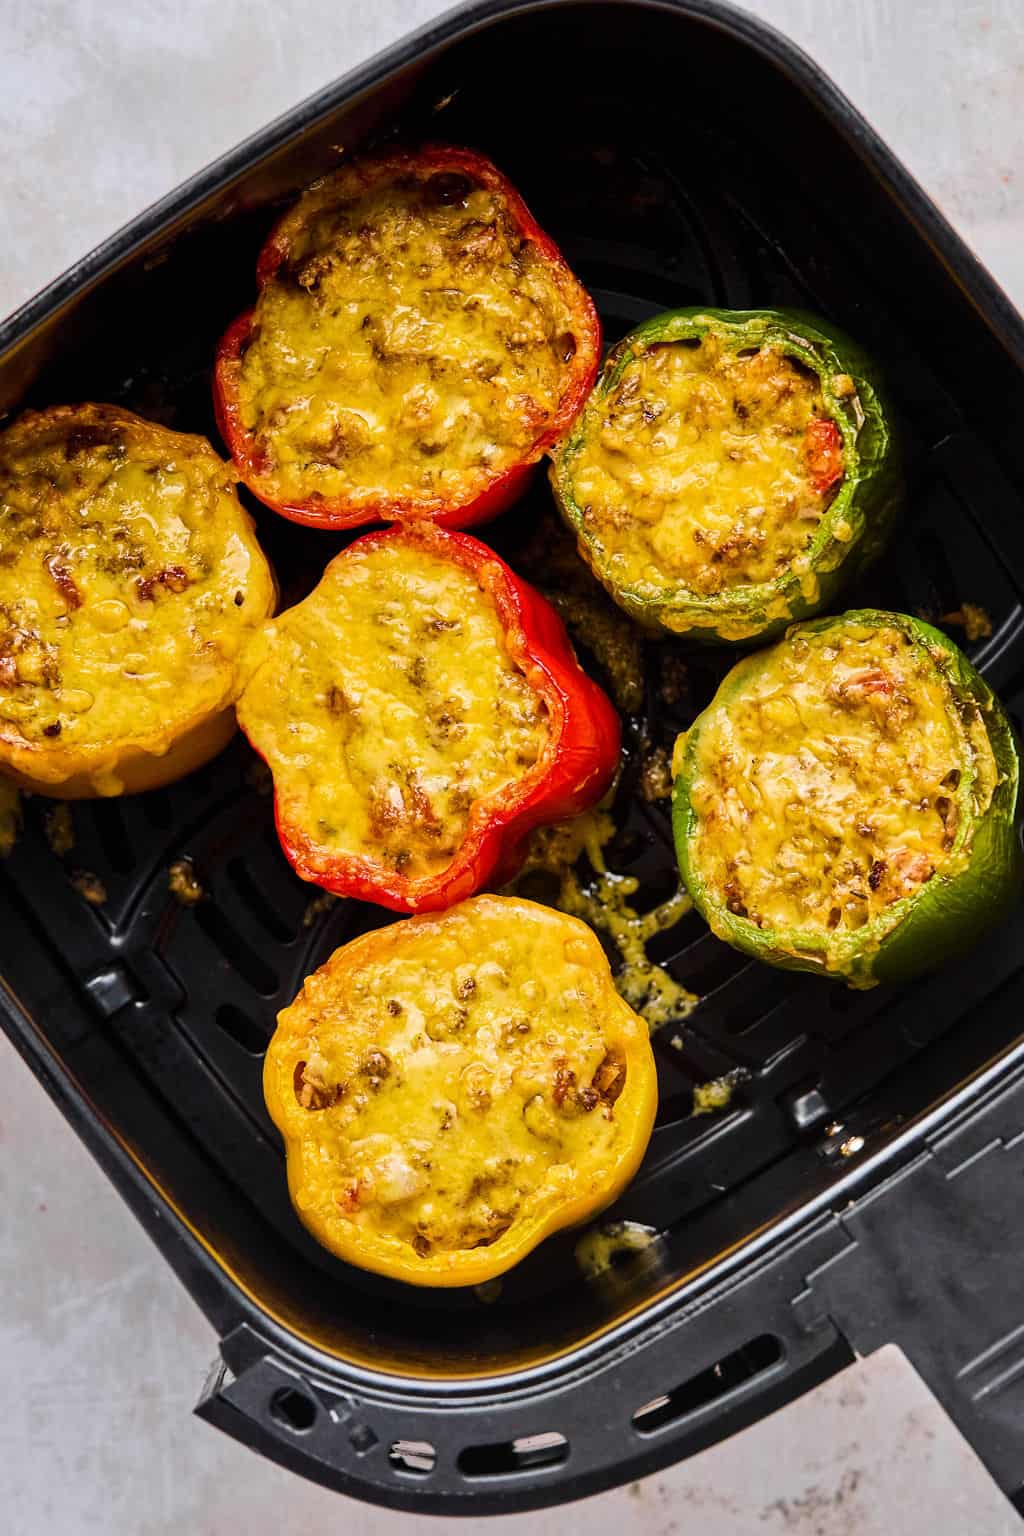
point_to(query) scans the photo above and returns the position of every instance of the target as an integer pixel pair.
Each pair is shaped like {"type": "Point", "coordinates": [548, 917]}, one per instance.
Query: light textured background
{"type": "Point", "coordinates": [104, 106]}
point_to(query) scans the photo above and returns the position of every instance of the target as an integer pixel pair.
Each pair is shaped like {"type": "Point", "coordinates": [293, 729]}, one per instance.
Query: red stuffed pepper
{"type": "Point", "coordinates": [417, 344]}
{"type": "Point", "coordinates": [421, 712]}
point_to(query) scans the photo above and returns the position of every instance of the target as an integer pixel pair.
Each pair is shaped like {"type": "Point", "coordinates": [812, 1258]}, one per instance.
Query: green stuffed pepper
{"type": "Point", "coordinates": [847, 802]}
{"type": "Point", "coordinates": [730, 471]}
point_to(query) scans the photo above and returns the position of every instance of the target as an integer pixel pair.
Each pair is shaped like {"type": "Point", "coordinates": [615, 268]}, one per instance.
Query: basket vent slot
{"type": "Point", "coordinates": [252, 968]}
{"type": "Point", "coordinates": [114, 837]}
{"type": "Point", "coordinates": [725, 1376]}
{"type": "Point", "coordinates": [259, 904]}
{"type": "Point", "coordinates": [293, 1410]}
{"type": "Point", "coordinates": [157, 807]}
{"type": "Point", "coordinates": [526, 1454]}
{"type": "Point", "coordinates": [242, 1028]}
{"type": "Point", "coordinates": [417, 1456]}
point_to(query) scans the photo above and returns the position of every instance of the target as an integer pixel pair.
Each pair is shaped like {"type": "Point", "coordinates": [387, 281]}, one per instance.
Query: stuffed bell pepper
{"type": "Point", "coordinates": [730, 471]}
{"type": "Point", "coordinates": [417, 344]}
{"type": "Point", "coordinates": [130, 583]}
{"type": "Point", "coordinates": [847, 803]}
{"type": "Point", "coordinates": [453, 1088]}
{"type": "Point", "coordinates": [421, 711]}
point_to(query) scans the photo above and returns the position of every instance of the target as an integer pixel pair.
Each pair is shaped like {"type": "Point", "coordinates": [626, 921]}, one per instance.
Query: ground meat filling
{"type": "Point", "coordinates": [128, 578]}
{"type": "Point", "coordinates": [706, 468]}
{"type": "Point", "coordinates": [438, 1088]}
{"type": "Point", "coordinates": [413, 345]}
{"type": "Point", "coordinates": [828, 791]}
{"type": "Point", "coordinates": [388, 705]}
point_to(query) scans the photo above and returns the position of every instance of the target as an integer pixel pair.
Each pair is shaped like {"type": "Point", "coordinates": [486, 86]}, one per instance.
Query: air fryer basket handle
{"type": "Point", "coordinates": [698, 1378]}
{"type": "Point", "coordinates": [929, 1259]}
{"type": "Point", "coordinates": [932, 1263]}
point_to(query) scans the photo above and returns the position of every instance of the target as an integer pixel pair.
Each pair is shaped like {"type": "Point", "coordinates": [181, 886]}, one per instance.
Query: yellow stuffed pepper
{"type": "Point", "coordinates": [455, 1087]}
{"type": "Point", "coordinates": [130, 582]}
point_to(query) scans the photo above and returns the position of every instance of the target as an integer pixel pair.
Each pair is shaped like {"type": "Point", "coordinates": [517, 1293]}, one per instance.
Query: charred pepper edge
{"type": "Point", "coordinates": [636, 1108]}
{"type": "Point", "coordinates": [964, 897]}
{"type": "Point", "coordinates": [868, 497]}
{"type": "Point", "coordinates": [579, 759]}
{"type": "Point", "coordinates": [507, 484]}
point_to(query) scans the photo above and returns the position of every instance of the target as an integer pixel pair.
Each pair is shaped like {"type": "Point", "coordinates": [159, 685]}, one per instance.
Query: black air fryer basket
{"type": "Point", "coordinates": [863, 1184]}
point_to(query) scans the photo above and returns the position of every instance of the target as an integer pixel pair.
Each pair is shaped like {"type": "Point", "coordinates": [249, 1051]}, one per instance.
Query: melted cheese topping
{"type": "Point", "coordinates": [387, 704]}
{"type": "Point", "coordinates": [827, 791]}
{"type": "Point", "coordinates": [451, 1074]}
{"type": "Point", "coordinates": [603, 902]}
{"type": "Point", "coordinates": [413, 345]}
{"type": "Point", "coordinates": [601, 1248]}
{"type": "Point", "coordinates": [129, 580]}
{"type": "Point", "coordinates": [696, 470]}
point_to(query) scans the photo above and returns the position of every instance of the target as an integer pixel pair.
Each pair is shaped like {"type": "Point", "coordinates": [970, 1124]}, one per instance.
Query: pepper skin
{"type": "Point", "coordinates": [453, 1088]}
{"type": "Point", "coordinates": [575, 759]}
{"type": "Point", "coordinates": [856, 446]}
{"type": "Point", "coordinates": [973, 884]}
{"type": "Point", "coordinates": [484, 493]}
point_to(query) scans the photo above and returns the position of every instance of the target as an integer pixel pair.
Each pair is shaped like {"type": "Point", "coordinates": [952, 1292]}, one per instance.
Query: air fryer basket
{"type": "Point", "coordinates": [860, 1187]}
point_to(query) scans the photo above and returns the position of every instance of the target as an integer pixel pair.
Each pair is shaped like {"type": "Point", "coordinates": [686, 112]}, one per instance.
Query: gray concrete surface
{"type": "Point", "coordinates": [104, 106]}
